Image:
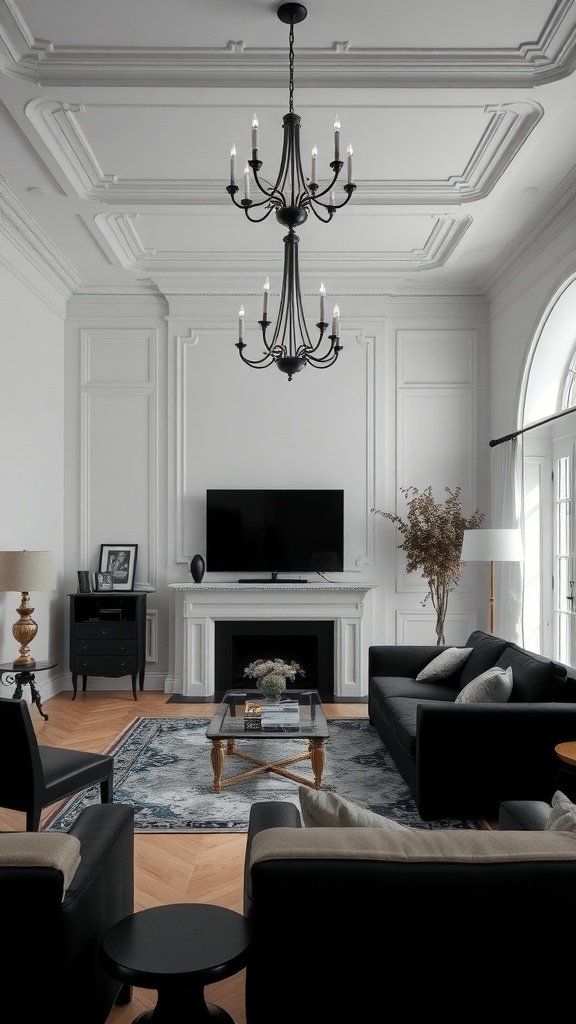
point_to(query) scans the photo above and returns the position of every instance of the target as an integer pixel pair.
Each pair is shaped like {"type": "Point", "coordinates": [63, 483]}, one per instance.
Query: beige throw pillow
{"type": "Point", "coordinates": [563, 814]}
{"type": "Point", "coordinates": [326, 810]}
{"type": "Point", "coordinates": [493, 685]}
{"type": "Point", "coordinates": [444, 664]}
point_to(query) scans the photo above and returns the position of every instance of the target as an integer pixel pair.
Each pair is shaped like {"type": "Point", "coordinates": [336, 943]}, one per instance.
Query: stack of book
{"type": "Point", "coordinates": [252, 716]}
{"type": "Point", "coordinates": [282, 717]}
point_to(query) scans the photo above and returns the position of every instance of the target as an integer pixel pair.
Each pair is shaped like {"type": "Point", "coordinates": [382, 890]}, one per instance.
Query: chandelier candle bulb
{"type": "Point", "coordinates": [255, 126]}
{"type": "Point", "coordinates": [314, 159]}
{"type": "Point", "coordinates": [247, 182]}
{"type": "Point", "coordinates": [349, 152]}
{"type": "Point", "coordinates": [265, 305]}
{"type": "Point", "coordinates": [336, 322]}
{"type": "Point", "coordinates": [241, 323]}
{"type": "Point", "coordinates": [232, 165]}
{"type": "Point", "coordinates": [322, 297]}
{"type": "Point", "coordinates": [337, 138]}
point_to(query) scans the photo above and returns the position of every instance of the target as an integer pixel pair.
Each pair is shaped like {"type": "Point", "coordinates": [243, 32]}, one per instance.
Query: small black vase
{"type": "Point", "coordinates": [197, 568]}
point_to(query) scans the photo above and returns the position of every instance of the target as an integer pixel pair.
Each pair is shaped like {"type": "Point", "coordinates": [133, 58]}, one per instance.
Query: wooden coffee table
{"type": "Point", "coordinates": [227, 728]}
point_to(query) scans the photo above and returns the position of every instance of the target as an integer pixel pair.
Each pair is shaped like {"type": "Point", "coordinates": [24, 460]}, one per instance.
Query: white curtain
{"type": "Point", "coordinates": [506, 511]}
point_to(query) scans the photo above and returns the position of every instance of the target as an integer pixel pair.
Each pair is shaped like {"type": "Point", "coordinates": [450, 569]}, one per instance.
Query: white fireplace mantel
{"type": "Point", "coordinates": [200, 605]}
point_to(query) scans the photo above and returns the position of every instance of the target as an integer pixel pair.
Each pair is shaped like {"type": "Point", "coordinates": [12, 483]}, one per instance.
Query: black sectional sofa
{"type": "Point", "coordinates": [461, 760]}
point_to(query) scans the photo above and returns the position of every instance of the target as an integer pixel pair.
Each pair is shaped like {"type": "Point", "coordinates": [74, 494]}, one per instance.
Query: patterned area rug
{"type": "Point", "coordinates": [163, 768]}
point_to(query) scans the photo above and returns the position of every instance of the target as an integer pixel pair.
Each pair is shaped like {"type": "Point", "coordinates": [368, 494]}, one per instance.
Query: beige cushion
{"type": "Point", "coordinates": [495, 684]}
{"type": "Point", "coordinates": [41, 849]}
{"type": "Point", "coordinates": [423, 845]}
{"type": "Point", "coordinates": [444, 664]}
{"type": "Point", "coordinates": [326, 810]}
{"type": "Point", "coordinates": [563, 814]}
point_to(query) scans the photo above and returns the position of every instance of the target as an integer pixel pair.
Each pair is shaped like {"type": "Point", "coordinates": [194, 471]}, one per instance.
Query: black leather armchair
{"type": "Point", "coordinates": [51, 939]}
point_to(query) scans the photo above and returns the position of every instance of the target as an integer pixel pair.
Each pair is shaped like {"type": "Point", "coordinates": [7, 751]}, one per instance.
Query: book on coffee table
{"type": "Point", "coordinates": [283, 717]}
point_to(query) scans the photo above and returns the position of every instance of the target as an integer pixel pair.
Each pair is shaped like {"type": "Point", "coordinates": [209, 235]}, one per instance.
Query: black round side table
{"type": "Point", "coordinates": [178, 949]}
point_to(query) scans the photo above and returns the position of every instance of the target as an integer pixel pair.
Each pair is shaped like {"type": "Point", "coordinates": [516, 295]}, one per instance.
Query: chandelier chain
{"type": "Point", "coordinates": [291, 66]}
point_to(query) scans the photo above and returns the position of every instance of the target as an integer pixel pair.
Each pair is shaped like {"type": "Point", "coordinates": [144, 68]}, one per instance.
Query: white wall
{"type": "Point", "coordinates": [159, 407]}
{"type": "Point", "coordinates": [31, 450]}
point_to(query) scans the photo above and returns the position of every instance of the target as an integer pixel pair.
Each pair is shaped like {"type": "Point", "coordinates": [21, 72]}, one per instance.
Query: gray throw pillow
{"type": "Point", "coordinates": [444, 664]}
{"type": "Point", "coordinates": [563, 814]}
{"type": "Point", "coordinates": [493, 685]}
{"type": "Point", "coordinates": [326, 810]}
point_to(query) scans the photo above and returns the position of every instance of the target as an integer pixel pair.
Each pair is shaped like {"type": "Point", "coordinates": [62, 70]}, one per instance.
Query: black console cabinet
{"type": "Point", "coordinates": [108, 636]}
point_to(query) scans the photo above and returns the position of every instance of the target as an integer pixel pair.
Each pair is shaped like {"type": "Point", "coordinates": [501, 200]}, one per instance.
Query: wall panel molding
{"type": "Point", "coordinates": [119, 445]}
{"type": "Point", "coordinates": [414, 627]}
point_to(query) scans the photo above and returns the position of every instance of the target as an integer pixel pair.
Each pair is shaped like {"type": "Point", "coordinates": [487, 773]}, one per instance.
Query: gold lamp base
{"type": "Point", "coordinates": [24, 631]}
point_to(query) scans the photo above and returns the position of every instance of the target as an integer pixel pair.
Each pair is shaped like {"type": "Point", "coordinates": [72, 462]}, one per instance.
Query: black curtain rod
{"type": "Point", "coordinates": [539, 423]}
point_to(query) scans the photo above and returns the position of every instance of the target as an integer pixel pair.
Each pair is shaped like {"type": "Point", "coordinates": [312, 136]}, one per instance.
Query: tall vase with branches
{"type": "Point", "coordinates": [432, 541]}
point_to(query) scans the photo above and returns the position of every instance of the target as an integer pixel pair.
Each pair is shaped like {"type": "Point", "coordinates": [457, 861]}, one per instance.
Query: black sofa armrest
{"type": "Point", "coordinates": [106, 834]}
{"type": "Point", "coordinates": [266, 814]}
{"type": "Point", "coordinates": [397, 660]}
{"type": "Point", "coordinates": [471, 757]}
{"type": "Point", "coordinates": [523, 815]}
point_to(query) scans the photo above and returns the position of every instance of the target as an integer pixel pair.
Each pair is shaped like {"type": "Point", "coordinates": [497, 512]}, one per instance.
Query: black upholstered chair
{"type": "Point", "coordinates": [33, 776]}
{"type": "Point", "coordinates": [57, 904]}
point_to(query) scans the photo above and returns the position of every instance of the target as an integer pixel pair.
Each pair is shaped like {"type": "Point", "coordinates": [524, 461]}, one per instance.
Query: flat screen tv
{"type": "Point", "coordinates": [275, 531]}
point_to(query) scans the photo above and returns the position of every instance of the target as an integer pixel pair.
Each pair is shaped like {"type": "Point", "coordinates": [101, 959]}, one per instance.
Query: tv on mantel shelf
{"type": "Point", "coordinates": [274, 531]}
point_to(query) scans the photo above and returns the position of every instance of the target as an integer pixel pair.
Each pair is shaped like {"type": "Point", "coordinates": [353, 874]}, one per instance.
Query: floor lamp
{"type": "Point", "coordinates": [492, 546]}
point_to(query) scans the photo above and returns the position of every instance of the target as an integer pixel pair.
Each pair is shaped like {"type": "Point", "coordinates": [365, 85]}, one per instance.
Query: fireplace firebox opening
{"type": "Point", "coordinates": [309, 643]}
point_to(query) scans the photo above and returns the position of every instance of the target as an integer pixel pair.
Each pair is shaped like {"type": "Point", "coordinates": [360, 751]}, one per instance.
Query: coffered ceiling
{"type": "Point", "coordinates": [117, 119]}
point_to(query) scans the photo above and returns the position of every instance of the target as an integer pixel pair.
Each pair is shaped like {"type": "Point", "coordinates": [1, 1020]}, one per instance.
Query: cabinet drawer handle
{"type": "Point", "coordinates": [84, 647]}
{"type": "Point", "coordinates": [104, 631]}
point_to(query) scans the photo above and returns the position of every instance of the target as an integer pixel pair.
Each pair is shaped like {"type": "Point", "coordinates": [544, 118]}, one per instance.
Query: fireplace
{"type": "Point", "coordinates": [335, 618]}
{"type": "Point", "coordinates": [310, 643]}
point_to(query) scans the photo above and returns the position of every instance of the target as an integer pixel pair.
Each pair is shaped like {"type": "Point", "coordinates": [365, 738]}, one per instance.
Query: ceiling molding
{"type": "Point", "coordinates": [508, 126]}
{"type": "Point", "coordinates": [17, 225]}
{"type": "Point", "coordinates": [548, 222]}
{"type": "Point", "coordinates": [550, 57]}
{"type": "Point", "coordinates": [120, 232]}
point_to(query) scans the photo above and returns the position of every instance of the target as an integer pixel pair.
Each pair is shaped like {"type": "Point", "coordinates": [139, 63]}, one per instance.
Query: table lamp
{"type": "Point", "coordinates": [24, 571]}
{"type": "Point", "coordinates": [492, 546]}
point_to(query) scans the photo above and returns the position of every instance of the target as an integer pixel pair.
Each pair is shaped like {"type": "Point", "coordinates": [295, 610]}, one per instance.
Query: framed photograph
{"type": "Point", "coordinates": [119, 560]}
{"type": "Point", "coordinates": [104, 581]}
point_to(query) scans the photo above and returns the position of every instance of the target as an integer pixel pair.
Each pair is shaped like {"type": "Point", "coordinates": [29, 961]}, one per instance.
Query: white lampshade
{"type": "Point", "coordinates": [492, 546]}
{"type": "Point", "coordinates": [27, 571]}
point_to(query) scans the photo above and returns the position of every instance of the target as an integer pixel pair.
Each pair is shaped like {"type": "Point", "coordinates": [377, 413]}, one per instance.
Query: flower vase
{"type": "Point", "coordinates": [272, 686]}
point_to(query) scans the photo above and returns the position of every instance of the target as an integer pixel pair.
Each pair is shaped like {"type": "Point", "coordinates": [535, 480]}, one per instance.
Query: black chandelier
{"type": "Point", "coordinates": [291, 198]}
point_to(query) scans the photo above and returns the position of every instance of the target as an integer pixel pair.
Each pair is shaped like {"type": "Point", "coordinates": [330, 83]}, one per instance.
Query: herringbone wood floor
{"type": "Point", "coordinates": [168, 869]}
